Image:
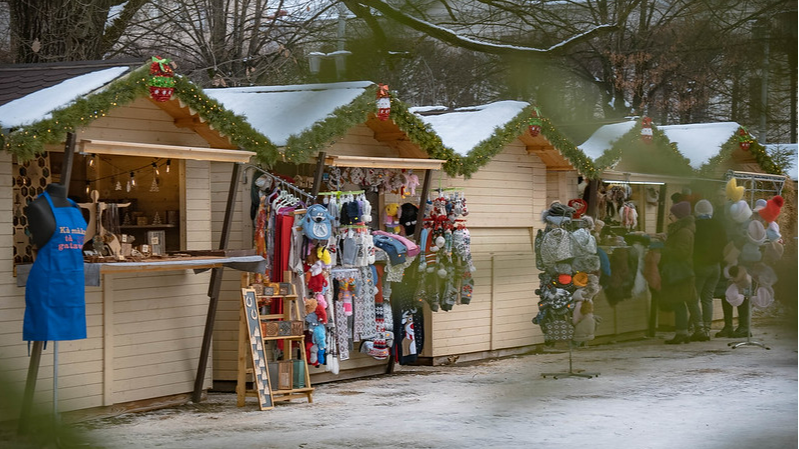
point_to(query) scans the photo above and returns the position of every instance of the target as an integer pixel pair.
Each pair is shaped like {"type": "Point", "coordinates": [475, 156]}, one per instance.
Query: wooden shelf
{"type": "Point", "coordinates": [151, 226]}
{"type": "Point", "coordinates": [251, 322]}
{"type": "Point", "coordinates": [285, 337]}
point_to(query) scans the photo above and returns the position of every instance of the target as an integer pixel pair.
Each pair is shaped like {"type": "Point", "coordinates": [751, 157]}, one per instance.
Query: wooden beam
{"type": "Point", "coordinates": [168, 151]}
{"type": "Point", "coordinates": [188, 122]}
{"type": "Point", "coordinates": [390, 136]}
{"type": "Point", "coordinates": [215, 285]}
{"type": "Point", "coordinates": [384, 162]}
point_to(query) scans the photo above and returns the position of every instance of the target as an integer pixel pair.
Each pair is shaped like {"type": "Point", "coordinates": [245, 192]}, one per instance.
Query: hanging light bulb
{"type": "Point", "coordinates": [88, 188]}
{"type": "Point", "coordinates": [168, 164]}
{"type": "Point", "coordinates": [155, 169]}
{"type": "Point", "coordinates": [132, 180]}
{"type": "Point", "coordinates": [91, 160]}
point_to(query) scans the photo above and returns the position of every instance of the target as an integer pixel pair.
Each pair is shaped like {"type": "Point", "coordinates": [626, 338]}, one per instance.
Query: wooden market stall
{"type": "Point", "coordinates": [323, 131]}
{"type": "Point", "coordinates": [509, 176]}
{"type": "Point", "coordinates": [656, 162]}
{"type": "Point", "coordinates": [147, 330]}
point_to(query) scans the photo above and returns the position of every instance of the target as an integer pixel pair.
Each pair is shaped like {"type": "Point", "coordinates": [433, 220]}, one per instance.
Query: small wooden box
{"type": "Point", "coordinates": [270, 328]}
{"type": "Point", "coordinates": [285, 288]}
{"type": "Point", "coordinates": [268, 290]}
{"type": "Point", "coordinates": [284, 328]}
{"type": "Point", "coordinates": [297, 327]}
{"type": "Point", "coordinates": [259, 289]}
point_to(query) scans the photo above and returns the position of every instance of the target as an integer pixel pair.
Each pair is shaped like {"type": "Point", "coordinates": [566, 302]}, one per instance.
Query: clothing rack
{"type": "Point", "coordinates": [294, 189]}
{"type": "Point", "coordinates": [751, 182]}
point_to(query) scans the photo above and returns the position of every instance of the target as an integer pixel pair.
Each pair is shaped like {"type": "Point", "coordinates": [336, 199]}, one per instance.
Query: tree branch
{"type": "Point", "coordinates": [453, 38]}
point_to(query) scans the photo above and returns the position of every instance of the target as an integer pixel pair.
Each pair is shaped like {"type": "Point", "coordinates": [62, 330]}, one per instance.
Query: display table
{"type": "Point", "coordinates": [93, 271]}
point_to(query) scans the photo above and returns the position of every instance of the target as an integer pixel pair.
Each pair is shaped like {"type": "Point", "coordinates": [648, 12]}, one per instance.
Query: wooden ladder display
{"type": "Point", "coordinates": [256, 330]}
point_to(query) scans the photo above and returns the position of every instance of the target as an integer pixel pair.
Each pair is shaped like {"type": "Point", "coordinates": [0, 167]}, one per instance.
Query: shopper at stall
{"type": "Point", "coordinates": [709, 242]}
{"type": "Point", "coordinates": [678, 290]}
{"type": "Point", "coordinates": [55, 307]}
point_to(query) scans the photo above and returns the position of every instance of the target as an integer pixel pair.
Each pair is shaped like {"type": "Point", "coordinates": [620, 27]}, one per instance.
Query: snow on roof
{"type": "Point", "coordinates": [464, 128]}
{"type": "Point", "coordinates": [700, 141]}
{"type": "Point", "coordinates": [38, 105]}
{"type": "Point", "coordinates": [793, 169]}
{"type": "Point", "coordinates": [279, 112]}
{"type": "Point", "coordinates": [602, 139]}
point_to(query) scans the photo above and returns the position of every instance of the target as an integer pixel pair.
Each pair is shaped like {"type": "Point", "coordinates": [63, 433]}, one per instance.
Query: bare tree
{"type": "Point", "coordinates": [66, 30]}
{"type": "Point", "coordinates": [230, 42]}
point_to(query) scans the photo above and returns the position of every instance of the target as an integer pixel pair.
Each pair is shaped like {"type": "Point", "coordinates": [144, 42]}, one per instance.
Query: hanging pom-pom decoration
{"type": "Point", "coordinates": [161, 81]}
{"type": "Point", "coordinates": [383, 102]}
{"type": "Point", "coordinates": [646, 130]}
{"type": "Point", "coordinates": [744, 139]}
{"type": "Point", "coordinates": [534, 124]}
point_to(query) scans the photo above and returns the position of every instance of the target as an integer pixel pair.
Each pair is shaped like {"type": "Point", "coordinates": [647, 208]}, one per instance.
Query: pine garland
{"type": "Point", "coordinates": [301, 147]}
{"type": "Point", "coordinates": [732, 144]}
{"type": "Point", "coordinates": [668, 159]}
{"type": "Point", "coordinates": [27, 141]}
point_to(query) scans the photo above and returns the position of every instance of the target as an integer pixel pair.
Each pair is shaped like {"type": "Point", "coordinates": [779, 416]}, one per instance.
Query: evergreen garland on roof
{"type": "Point", "coordinates": [301, 147]}
{"type": "Point", "coordinates": [730, 146]}
{"type": "Point", "coordinates": [27, 141]}
{"type": "Point", "coordinates": [633, 148]}
{"type": "Point", "coordinates": [421, 134]}
{"type": "Point", "coordinates": [574, 155]}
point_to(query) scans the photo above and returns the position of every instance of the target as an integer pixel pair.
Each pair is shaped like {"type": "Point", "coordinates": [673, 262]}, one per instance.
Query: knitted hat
{"type": "Point", "coordinates": [750, 253]}
{"type": "Point", "coordinates": [759, 204]}
{"type": "Point", "coordinates": [756, 233]}
{"type": "Point", "coordinates": [703, 207]}
{"type": "Point", "coordinates": [740, 211]}
{"type": "Point", "coordinates": [764, 275]}
{"type": "Point", "coordinates": [763, 297]}
{"type": "Point", "coordinates": [733, 191]}
{"type": "Point", "coordinates": [580, 279]}
{"type": "Point", "coordinates": [564, 279]}
{"type": "Point", "coordinates": [681, 209]}
{"type": "Point", "coordinates": [773, 231]}
{"type": "Point", "coordinates": [772, 209]}
{"type": "Point", "coordinates": [772, 251]}
{"type": "Point", "coordinates": [733, 296]}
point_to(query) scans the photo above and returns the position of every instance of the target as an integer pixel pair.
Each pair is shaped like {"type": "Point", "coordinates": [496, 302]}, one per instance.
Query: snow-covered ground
{"type": "Point", "coordinates": [648, 395]}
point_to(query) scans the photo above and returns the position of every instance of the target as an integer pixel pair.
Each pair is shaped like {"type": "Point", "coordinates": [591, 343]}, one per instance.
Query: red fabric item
{"type": "Point", "coordinates": [317, 283]}
{"type": "Point", "coordinates": [772, 209]}
{"type": "Point", "coordinates": [282, 246]}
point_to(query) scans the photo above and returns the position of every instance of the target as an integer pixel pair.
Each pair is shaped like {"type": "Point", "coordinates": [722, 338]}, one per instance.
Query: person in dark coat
{"type": "Point", "coordinates": [678, 290]}
{"type": "Point", "coordinates": [709, 243]}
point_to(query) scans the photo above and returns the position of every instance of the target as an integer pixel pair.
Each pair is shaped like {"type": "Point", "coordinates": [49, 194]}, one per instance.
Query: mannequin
{"type": "Point", "coordinates": [55, 306]}
{"type": "Point", "coordinates": [41, 221]}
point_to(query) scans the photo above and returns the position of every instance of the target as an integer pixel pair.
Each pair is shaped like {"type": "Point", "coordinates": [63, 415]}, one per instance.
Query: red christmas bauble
{"type": "Point", "coordinates": [535, 130]}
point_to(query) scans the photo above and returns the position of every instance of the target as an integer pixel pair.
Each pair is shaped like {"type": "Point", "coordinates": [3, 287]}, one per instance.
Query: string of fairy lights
{"type": "Point", "coordinates": [127, 175]}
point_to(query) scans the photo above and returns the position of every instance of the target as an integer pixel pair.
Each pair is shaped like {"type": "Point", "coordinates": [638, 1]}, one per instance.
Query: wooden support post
{"type": "Point", "coordinates": [215, 285]}
{"type": "Point", "coordinates": [317, 177]}
{"type": "Point", "coordinates": [661, 208]}
{"type": "Point", "coordinates": [36, 351]}
{"type": "Point", "coordinates": [428, 176]}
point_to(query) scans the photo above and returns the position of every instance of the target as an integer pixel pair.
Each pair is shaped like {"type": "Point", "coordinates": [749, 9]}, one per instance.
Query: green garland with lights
{"type": "Point", "coordinates": [574, 155]}
{"type": "Point", "coordinates": [27, 141]}
{"type": "Point", "coordinates": [730, 146]}
{"type": "Point", "coordinates": [301, 147]}
{"type": "Point", "coordinates": [670, 160]}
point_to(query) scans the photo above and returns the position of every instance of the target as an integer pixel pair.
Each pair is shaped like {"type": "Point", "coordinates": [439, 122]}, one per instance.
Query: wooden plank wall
{"type": "Point", "coordinates": [505, 199]}
{"type": "Point", "coordinates": [147, 343]}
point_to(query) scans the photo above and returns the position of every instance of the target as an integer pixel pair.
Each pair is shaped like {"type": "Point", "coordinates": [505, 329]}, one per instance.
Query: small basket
{"type": "Point", "coordinates": [270, 328]}
{"type": "Point", "coordinates": [284, 328]}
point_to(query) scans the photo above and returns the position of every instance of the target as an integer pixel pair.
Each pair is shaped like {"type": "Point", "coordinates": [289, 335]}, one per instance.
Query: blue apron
{"type": "Point", "coordinates": [55, 304]}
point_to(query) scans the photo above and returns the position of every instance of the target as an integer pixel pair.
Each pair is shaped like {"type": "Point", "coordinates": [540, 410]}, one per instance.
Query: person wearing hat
{"type": "Point", "coordinates": [678, 288]}
{"type": "Point", "coordinates": [709, 242]}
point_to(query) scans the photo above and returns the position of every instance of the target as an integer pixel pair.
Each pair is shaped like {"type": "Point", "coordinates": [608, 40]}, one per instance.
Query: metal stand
{"type": "Point", "coordinates": [748, 341]}
{"type": "Point", "coordinates": [571, 372]}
